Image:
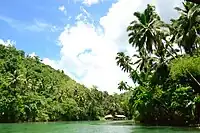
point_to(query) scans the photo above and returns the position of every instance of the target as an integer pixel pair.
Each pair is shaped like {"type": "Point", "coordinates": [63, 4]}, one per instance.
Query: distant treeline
{"type": "Point", "coordinates": [33, 91]}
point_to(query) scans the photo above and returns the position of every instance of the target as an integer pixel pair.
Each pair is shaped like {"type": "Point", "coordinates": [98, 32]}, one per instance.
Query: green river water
{"type": "Point", "coordinates": [89, 127]}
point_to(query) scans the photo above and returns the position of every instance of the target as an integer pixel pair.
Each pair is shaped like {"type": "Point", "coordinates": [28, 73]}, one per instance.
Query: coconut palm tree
{"type": "Point", "coordinates": [144, 62]}
{"type": "Point", "coordinates": [143, 33]}
{"type": "Point", "coordinates": [148, 35]}
{"type": "Point", "coordinates": [187, 27]}
{"type": "Point", "coordinates": [124, 62]}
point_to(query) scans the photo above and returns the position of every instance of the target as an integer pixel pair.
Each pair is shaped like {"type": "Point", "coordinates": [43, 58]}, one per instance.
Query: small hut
{"type": "Point", "coordinates": [108, 117]}
{"type": "Point", "coordinates": [120, 117]}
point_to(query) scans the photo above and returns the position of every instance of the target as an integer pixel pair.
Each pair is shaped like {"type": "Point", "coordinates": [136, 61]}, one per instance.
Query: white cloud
{"type": "Point", "coordinates": [7, 42]}
{"type": "Point", "coordinates": [69, 17]}
{"type": "Point", "coordinates": [62, 9]}
{"type": "Point", "coordinates": [39, 26]}
{"type": "Point", "coordinates": [35, 26]}
{"type": "Point", "coordinates": [95, 68]}
{"type": "Point", "coordinates": [88, 51]}
{"type": "Point", "coordinates": [84, 16]}
{"type": "Point", "coordinates": [89, 2]}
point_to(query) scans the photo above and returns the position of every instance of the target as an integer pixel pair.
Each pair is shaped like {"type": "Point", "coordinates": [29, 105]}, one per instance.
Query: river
{"type": "Point", "coordinates": [89, 127]}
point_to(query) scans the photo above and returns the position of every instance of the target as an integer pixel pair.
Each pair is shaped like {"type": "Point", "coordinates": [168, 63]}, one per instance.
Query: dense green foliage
{"type": "Point", "coordinates": [166, 72]}
{"type": "Point", "coordinates": [33, 91]}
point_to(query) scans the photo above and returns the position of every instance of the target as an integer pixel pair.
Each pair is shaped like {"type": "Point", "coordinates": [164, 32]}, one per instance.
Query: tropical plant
{"type": "Point", "coordinates": [167, 81]}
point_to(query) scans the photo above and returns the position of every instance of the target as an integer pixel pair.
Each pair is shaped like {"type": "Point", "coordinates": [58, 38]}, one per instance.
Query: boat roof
{"type": "Point", "coordinates": [108, 116]}
{"type": "Point", "coordinates": [120, 116]}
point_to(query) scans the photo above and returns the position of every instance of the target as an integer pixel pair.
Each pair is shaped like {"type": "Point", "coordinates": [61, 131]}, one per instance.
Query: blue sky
{"type": "Point", "coordinates": [81, 37]}
{"type": "Point", "coordinates": [22, 21]}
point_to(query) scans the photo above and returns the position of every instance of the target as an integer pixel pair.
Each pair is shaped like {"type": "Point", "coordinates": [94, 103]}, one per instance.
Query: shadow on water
{"type": "Point", "coordinates": [139, 128]}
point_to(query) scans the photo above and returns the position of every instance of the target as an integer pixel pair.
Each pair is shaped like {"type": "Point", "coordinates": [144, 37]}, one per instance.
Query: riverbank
{"type": "Point", "coordinates": [109, 122]}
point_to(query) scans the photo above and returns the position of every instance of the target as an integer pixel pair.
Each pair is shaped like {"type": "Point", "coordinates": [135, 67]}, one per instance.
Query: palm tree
{"type": "Point", "coordinates": [187, 27]}
{"type": "Point", "coordinates": [144, 62]}
{"type": "Point", "coordinates": [123, 86]}
{"type": "Point", "coordinates": [143, 33]}
{"type": "Point", "coordinates": [124, 62]}
{"type": "Point", "coordinates": [148, 34]}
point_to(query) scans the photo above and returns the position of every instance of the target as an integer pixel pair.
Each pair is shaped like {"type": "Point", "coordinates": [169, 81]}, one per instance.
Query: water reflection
{"type": "Point", "coordinates": [90, 127]}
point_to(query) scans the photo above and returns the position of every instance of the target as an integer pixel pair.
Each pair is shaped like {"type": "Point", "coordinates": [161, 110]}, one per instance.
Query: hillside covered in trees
{"type": "Point", "coordinates": [33, 91]}
{"type": "Point", "coordinates": [166, 76]}
{"type": "Point", "coordinates": [167, 67]}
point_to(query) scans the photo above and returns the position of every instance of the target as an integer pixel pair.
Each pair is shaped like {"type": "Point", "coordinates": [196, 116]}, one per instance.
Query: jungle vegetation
{"type": "Point", "coordinates": [31, 91]}
{"type": "Point", "coordinates": [166, 74]}
{"type": "Point", "coordinates": [166, 67]}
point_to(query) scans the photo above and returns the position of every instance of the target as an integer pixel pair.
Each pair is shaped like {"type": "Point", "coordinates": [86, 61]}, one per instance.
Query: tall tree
{"type": "Point", "coordinates": [143, 31]}
{"type": "Point", "coordinates": [187, 27]}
